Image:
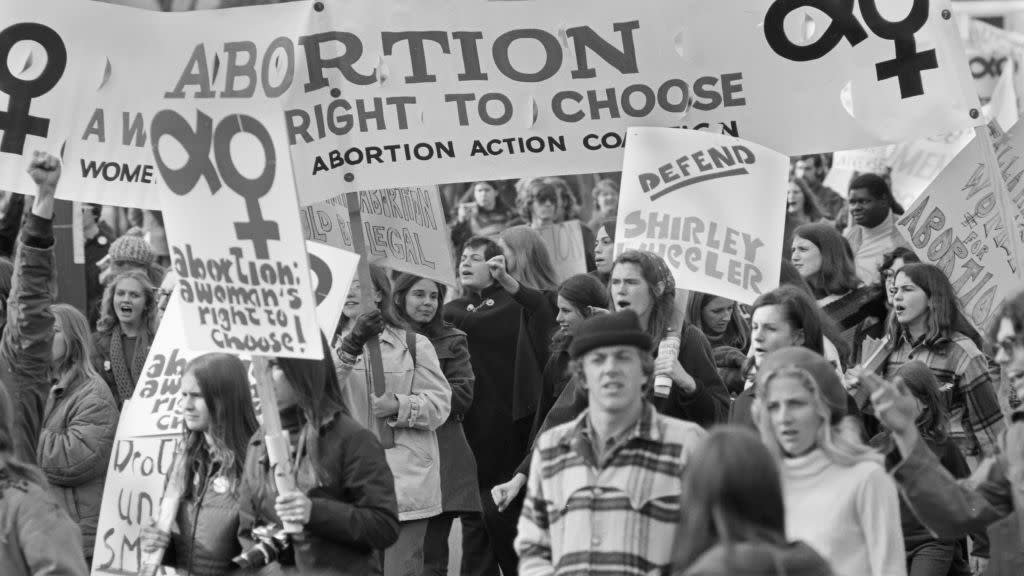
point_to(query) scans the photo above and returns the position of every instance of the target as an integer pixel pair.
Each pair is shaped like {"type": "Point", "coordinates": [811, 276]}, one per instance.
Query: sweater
{"type": "Point", "coordinates": [870, 244]}
{"type": "Point", "coordinates": [848, 514]}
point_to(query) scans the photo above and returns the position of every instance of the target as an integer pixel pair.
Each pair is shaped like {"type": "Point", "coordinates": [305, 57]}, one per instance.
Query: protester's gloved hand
{"type": "Point", "coordinates": [367, 325]}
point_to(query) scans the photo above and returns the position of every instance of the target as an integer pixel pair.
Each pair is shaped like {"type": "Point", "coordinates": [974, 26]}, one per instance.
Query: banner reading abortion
{"type": "Point", "coordinates": [381, 94]}
{"type": "Point", "coordinates": [712, 206]}
{"type": "Point", "coordinates": [404, 229]}
{"type": "Point", "coordinates": [968, 222]}
{"type": "Point", "coordinates": [234, 233]}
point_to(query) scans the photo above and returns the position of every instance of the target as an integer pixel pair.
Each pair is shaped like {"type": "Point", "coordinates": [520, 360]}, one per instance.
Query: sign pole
{"type": "Point", "coordinates": [376, 371]}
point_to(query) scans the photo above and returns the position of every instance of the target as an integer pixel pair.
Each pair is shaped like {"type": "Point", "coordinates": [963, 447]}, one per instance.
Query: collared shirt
{"type": "Point", "coordinates": [613, 513]}
{"type": "Point", "coordinates": [966, 387]}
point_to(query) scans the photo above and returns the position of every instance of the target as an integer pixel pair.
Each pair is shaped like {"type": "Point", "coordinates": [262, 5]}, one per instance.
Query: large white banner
{"type": "Point", "coordinates": [384, 94]}
{"type": "Point", "coordinates": [712, 206]}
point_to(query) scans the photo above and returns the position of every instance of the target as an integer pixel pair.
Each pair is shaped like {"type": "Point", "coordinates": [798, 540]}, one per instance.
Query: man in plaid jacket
{"type": "Point", "coordinates": [604, 490]}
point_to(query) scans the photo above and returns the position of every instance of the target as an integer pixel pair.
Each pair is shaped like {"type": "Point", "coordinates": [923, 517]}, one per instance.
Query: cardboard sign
{"type": "Point", "coordinates": [131, 497]}
{"type": "Point", "coordinates": [967, 222]}
{"type": "Point", "coordinates": [381, 94]}
{"type": "Point", "coordinates": [332, 272]}
{"type": "Point", "coordinates": [404, 229]}
{"type": "Point", "coordinates": [232, 223]}
{"type": "Point", "coordinates": [681, 197]}
{"type": "Point", "coordinates": [565, 245]}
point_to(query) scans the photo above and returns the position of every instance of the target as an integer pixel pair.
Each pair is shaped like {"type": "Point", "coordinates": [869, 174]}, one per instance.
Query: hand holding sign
{"type": "Point", "coordinates": [366, 326]}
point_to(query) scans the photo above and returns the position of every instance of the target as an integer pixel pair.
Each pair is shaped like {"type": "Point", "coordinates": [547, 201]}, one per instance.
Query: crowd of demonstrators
{"type": "Point", "coordinates": [563, 424]}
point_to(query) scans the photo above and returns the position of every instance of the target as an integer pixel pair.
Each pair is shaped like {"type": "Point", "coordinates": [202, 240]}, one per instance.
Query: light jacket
{"type": "Point", "coordinates": [38, 537]}
{"type": "Point", "coordinates": [424, 402]}
{"type": "Point", "coordinates": [952, 508]}
{"type": "Point", "coordinates": [74, 449]}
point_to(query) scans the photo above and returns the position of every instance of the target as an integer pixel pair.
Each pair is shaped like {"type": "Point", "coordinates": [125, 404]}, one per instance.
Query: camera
{"type": "Point", "coordinates": [271, 541]}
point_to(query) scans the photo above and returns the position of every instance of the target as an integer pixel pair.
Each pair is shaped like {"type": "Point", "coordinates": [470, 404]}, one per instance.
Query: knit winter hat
{"type": "Point", "coordinates": [821, 370]}
{"type": "Point", "coordinates": [618, 329]}
{"type": "Point", "coordinates": [132, 248]}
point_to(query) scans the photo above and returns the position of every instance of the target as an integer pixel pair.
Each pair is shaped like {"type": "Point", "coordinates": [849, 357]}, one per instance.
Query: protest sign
{"type": "Point", "coordinates": [991, 51]}
{"type": "Point", "coordinates": [131, 497]}
{"type": "Point", "coordinates": [712, 206]}
{"type": "Point", "coordinates": [565, 245]}
{"type": "Point", "coordinates": [332, 272]}
{"type": "Point", "coordinates": [404, 229]}
{"type": "Point", "coordinates": [379, 94]}
{"type": "Point", "coordinates": [963, 222]}
{"type": "Point", "coordinates": [232, 219]}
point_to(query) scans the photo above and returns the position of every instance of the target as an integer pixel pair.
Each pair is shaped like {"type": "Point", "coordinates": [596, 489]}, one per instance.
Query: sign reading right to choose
{"type": "Point", "coordinates": [712, 206]}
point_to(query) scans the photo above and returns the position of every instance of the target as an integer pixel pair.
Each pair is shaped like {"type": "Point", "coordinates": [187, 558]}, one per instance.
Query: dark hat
{"type": "Point", "coordinates": [821, 370]}
{"type": "Point", "coordinates": [618, 329]}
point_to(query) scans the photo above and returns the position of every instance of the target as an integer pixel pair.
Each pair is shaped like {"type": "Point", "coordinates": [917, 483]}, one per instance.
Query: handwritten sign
{"type": "Point", "coordinates": [333, 270]}
{"type": "Point", "coordinates": [565, 245]}
{"type": "Point", "coordinates": [404, 229]}
{"type": "Point", "coordinates": [681, 198]}
{"type": "Point", "coordinates": [131, 497]}
{"type": "Point", "coordinates": [236, 242]}
{"type": "Point", "coordinates": [961, 222]}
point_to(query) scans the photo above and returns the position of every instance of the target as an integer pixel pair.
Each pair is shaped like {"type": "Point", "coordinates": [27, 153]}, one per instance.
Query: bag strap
{"type": "Point", "coordinates": [410, 341]}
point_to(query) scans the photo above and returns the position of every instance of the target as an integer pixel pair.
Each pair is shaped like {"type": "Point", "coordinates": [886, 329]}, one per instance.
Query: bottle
{"type": "Point", "coordinates": [669, 347]}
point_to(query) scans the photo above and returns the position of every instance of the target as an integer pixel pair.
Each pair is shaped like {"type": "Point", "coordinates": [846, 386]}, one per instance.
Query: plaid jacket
{"type": "Point", "coordinates": [620, 518]}
{"type": "Point", "coordinates": [965, 386]}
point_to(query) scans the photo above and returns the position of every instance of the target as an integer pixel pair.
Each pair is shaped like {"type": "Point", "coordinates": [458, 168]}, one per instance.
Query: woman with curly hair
{"type": "Point", "coordinates": [128, 322]}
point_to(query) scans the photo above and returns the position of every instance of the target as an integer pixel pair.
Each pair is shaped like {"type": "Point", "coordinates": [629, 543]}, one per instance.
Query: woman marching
{"type": "Point", "coordinates": [838, 496]}
{"type": "Point", "coordinates": [78, 425]}
{"type": "Point", "coordinates": [415, 403]}
{"type": "Point", "coordinates": [127, 325]}
{"type": "Point", "coordinates": [345, 492]}
{"type": "Point", "coordinates": [418, 303]}
{"type": "Point", "coordinates": [218, 422]}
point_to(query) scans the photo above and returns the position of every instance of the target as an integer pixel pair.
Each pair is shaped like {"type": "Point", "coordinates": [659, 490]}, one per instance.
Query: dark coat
{"type": "Point", "coordinates": [759, 559]}
{"type": "Point", "coordinates": [459, 490]}
{"type": "Point", "coordinates": [353, 516]}
{"type": "Point", "coordinates": [26, 348]}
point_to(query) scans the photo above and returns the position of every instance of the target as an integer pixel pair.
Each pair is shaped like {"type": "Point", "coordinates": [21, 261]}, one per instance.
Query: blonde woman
{"type": "Point", "coordinates": [838, 497]}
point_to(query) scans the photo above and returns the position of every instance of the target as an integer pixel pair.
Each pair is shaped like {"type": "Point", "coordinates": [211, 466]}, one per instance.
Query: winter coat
{"type": "Point", "coordinates": [38, 537]}
{"type": "Point", "coordinates": [758, 559]}
{"type": "Point", "coordinates": [459, 492]}
{"type": "Point", "coordinates": [26, 347]}
{"type": "Point", "coordinates": [424, 402]}
{"type": "Point", "coordinates": [206, 538]}
{"type": "Point", "coordinates": [499, 440]}
{"type": "Point", "coordinates": [354, 515]}
{"type": "Point", "coordinates": [74, 449]}
{"type": "Point", "coordinates": [952, 508]}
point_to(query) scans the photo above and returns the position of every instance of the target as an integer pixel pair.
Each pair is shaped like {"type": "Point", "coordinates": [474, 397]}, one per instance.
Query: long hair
{"type": "Point", "coordinates": [799, 311]}
{"type": "Point", "coordinates": [837, 275]}
{"type": "Point", "coordinates": [733, 493]}
{"type": "Point", "coordinates": [838, 438]}
{"type": "Point", "coordinates": [537, 189]}
{"type": "Point", "coordinates": [663, 305]}
{"type": "Point", "coordinates": [876, 186]}
{"type": "Point", "coordinates": [108, 316]}
{"type": "Point", "coordinates": [605, 184]}
{"type": "Point", "coordinates": [812, 210]}
{"type": "Point", "coordinates": [898, 253]}
{"type": "Point", "coordinates": [318, 395]}
{"type": "Point", "coordinates": [528, 259]}
{"type": "Point", "coordinates": [582, 291]}
{"type": "Point", "coordinates": [9, 461]}
{"type": "Point", "coordinates": [382, 284]}
{"type": "Point", "coordinates": [224, 384]}
{"type": "Point", "coordinates": [944, 315]}
{"type": "Point", "coordinates": [401, 286]}
{"type": "Point", "coordinates": [1013, 310]}
{"type": "Point", "coordinates": [76, 365]}
{"type": "Point", "coordinates": [568, 200]}
{"type": "Point", "coordinates": [736, 331]}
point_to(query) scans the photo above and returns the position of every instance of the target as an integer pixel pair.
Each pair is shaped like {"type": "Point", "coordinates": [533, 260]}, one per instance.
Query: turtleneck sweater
{"type": "Point", "coordinates": [848, 514]}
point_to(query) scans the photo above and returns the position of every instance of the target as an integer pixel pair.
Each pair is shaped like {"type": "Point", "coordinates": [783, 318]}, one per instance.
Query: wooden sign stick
{"type": "Point", "coordinates": [376, 371]}
{"type": "Point", "coordinates": [276, 438]}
